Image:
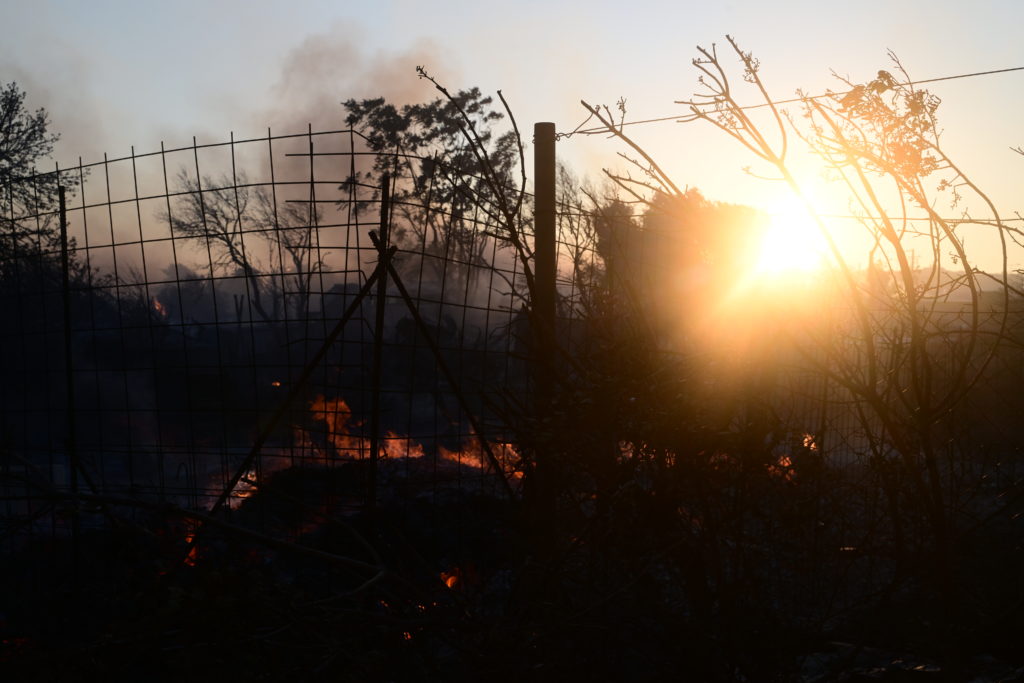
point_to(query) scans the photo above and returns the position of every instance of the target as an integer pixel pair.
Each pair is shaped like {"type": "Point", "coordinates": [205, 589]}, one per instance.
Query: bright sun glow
{"type": "Point", "coordinates": [792, 241]}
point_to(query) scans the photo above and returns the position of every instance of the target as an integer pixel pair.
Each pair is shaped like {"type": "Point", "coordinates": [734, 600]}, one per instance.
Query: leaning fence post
{"type": "Point", "coordinates": [378, 345]}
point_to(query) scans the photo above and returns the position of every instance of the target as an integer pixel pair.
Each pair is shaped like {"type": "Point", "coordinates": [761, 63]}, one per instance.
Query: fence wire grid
{"type": "Point", "coordinates": [218, 318]}
{"type": "Point", "coordinates": [219, 296]}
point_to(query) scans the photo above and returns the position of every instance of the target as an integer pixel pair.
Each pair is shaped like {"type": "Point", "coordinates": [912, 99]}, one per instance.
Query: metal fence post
{"type": "Point", "coordinates": [69, 380]}
{"type": "Point", "coordinates": [378, 344]}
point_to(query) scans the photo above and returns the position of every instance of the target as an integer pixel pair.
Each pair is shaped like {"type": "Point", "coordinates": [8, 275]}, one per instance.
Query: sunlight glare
{"type": "Point", "coordinates": [792, 241]}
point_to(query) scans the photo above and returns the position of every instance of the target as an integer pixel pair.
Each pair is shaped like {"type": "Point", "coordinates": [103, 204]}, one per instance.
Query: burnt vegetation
{"type": "Point", "coordinates": [281, 463]}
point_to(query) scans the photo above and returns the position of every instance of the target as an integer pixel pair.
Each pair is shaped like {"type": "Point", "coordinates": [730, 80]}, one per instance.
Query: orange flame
{"type": "Point", "coordinates": [451, 579]}
{"type": "Point", "coordinates": [397, 446]}
{"type": "Point", "coordinates": [336, 414]}
{"type": "Point", "coordinates": [460, 578]}
{"type": "Point", "coordinates": [338, 420]}
{"type": "Point", "coordinates": [473, 455]}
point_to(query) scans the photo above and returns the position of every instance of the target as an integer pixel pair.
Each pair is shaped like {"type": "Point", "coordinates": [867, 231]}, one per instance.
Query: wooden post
{"type": "Point", "coordinates": [544, 259]}
{"type": "Point", "coordinates": [540, 488]}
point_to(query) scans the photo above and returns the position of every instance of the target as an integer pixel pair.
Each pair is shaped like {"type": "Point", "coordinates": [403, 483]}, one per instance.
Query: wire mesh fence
{"type": "Point", "coordinates": [220, 296]}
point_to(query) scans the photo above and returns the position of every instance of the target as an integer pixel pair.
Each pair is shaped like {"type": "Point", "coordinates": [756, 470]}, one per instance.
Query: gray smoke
{"type": "Point", "coordinates": [323, 71]}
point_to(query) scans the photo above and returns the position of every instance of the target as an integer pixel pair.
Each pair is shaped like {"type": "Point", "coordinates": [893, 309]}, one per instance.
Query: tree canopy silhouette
{"type": "Point", "coordinates": [25, 141]}
{"type": "Point", "coordinates": [458, 162]}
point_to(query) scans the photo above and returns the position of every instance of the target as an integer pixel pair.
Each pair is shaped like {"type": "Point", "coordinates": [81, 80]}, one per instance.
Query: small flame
{"type": "Point", "coordinates": [160, 309]}
{"type": "Point", "coordinates": [473, 455]}
{"type": "Point", "coordinates": [336, 414]}
{"type": "Point", "coordinates": [459, 578]}
{"type": "Point", "coordinates": [193, 553]}
{"type": "Point", "coordinates": [452, 578]}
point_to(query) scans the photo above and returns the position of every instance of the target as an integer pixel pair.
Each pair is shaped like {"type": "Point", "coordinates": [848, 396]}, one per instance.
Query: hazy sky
{"type": "Point", "coordinates": [116, 74]}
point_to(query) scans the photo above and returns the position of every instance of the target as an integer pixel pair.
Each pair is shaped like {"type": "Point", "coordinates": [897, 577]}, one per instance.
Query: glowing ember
{"type": "Point", "coordinates": [810, 443]}
{"type": "Point", "coordinates": [783, 468]}
{"type": "Point", "coordinates": [159, 308]}
{"type": "Point", "coordinates": [720, 461]}
{"type": "Point", "coordinates": [626, 450]}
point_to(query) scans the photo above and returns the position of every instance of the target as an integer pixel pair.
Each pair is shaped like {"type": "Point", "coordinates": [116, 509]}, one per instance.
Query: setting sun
{"type": "Point", "coordinates": [791, 241]}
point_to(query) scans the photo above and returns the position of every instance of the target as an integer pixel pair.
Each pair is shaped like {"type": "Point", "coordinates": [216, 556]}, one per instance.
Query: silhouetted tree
{"type": "Point", "coordinates": [452, 167]}
{"type": "Point", "coordinates": [904, 369]}
{"type": "Point", "coordinates": [272, 246]}
{"type": "Point", "coordinates": [677, 258]}
{"type": "Point", "coordinates": [26, 196]}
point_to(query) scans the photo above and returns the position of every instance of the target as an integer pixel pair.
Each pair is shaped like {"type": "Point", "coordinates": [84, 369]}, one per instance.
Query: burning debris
{"type": "Point", "coordinates": [340, 442]}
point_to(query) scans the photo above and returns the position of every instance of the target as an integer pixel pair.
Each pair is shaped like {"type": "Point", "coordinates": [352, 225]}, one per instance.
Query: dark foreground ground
{"type": "Point", "coordinates": [450, 589]}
